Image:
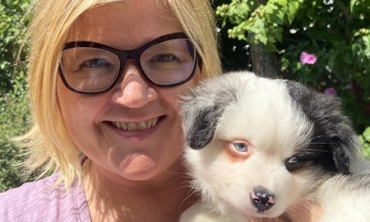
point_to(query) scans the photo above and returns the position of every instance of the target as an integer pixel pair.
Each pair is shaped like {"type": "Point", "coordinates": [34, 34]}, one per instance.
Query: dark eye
{"type": "Point", "coordinates": [294, 163]}
{"type": "Point", "coordinates": [164, 58]}
{"type": "Point", "coordinates": [241, 147]}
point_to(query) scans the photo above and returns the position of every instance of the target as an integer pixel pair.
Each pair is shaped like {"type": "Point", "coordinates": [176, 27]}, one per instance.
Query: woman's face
{"type": "Point", "coordinates": [95, 121]}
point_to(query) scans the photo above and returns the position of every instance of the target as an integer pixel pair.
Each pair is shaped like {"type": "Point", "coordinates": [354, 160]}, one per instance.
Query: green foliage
{"type": "Point", "coordinates": [13, 94]}
{"type": "Point", "coordinates": [9, 172]}
{"type": "Point", "coordinates": [336, 32]}
{"type": "Point", "coordinates": [11, 15]}
{"type": "Point", "coordinates": [264, 21]}
{"type": "Point", "coordinates": [365, 141]}
{"type": "Point", "coordinates": [13, 121]}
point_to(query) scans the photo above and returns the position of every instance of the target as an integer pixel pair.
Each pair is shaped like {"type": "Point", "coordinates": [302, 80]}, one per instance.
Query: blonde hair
{"type": "Point", "coordinates": [49, 146]}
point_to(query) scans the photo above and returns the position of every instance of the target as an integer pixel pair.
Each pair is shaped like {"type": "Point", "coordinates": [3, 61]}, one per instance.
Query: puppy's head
{"type": "Point", "coordinates": [257, 145]}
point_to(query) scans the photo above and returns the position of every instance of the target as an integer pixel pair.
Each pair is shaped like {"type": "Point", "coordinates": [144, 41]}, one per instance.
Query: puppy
{"type": "Point", "coordinates": [257, 146]}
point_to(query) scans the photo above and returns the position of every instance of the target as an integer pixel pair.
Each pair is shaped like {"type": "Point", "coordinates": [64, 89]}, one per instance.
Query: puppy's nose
{"type": "Point", "coordinates": [262, 199]}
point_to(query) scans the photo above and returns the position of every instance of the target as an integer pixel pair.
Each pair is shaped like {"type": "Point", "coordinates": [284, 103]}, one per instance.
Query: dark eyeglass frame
{"type": "Point", "coordinates": [124, 56]}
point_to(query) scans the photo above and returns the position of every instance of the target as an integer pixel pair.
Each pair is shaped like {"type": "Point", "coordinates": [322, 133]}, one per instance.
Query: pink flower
{"type": "Point", "coordinates": [307, 58]}
{"type": "Point", "coordinates": [330, 91]}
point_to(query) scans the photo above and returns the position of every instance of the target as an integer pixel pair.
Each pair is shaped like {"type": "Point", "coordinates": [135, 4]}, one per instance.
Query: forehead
{"type": "Point", "coordinates": [125, 24]}
{"type": "Point", "coordinates": [265, 116]}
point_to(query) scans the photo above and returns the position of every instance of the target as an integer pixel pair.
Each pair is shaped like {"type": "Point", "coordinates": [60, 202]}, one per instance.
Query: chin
{"type": "Point", "coordinates": [256, 147]}
{"type": "Point", "coordinates": [137, 167]}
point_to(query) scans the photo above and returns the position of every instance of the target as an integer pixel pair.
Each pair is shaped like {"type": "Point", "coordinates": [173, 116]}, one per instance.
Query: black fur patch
{"type": "Point", "coordinates": [202, 108]}
{"type": "Point", "coordinates": [332, 135]}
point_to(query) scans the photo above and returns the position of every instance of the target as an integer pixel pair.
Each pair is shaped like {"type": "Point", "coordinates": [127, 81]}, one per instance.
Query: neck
{"type": "Point", "coordinates": [160, 199]}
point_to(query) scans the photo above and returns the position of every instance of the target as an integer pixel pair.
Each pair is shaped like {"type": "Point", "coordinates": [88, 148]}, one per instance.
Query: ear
{"type": "Point", "coordinates": [202, 108]}
{"type": "Point", "coordinates": [339, 155]}
{"type": "Point", "coordinates": [330, 126]}
{"type": "Point", "coordinates": [345, 148]}
{"type": "Point", "coordinates": [201, 125]}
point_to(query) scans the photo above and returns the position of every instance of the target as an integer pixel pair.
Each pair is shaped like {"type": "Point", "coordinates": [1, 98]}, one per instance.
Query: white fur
{"type": "Point", "coordinates": [264, 116]}
{"type": "Point", "coordinates": [345, 198]}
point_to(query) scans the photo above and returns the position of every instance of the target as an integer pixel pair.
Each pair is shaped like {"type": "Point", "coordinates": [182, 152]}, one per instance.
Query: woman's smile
{"type": "Point", "coordinates": [134, 126]}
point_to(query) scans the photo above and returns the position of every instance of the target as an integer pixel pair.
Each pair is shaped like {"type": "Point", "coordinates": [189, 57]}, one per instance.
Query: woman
{"type": "Point", "coordinates": [128, 126]}
{"type": "Point", "coordinates": [104, 81]}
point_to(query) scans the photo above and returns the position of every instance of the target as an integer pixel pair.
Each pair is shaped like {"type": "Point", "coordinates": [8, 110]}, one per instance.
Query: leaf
{"type": "Point", "coordinates": [366, 134]}
{"type": "Point", "coordinates": [292, 10]}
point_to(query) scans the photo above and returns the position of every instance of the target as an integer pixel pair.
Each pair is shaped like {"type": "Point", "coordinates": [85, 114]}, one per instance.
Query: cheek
{"type": "Point", "coordinates": [171, 96]}
{"type": "Point", "coordinates": [181, 90]}
{"type": "Point", "coordinates": [78, 111]}
{"type": "Point", "coordinates": [67, 103]}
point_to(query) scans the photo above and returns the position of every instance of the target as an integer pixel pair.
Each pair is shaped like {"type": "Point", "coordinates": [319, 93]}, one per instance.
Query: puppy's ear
{"type": "Point", "coordinates": [201, 129]}
{"type": "Point", "coordinates": [202, 108]}
{"type": "Point", "coordinates": [340, 155]}
{"type": "Point", "coordinates": [330, 126]}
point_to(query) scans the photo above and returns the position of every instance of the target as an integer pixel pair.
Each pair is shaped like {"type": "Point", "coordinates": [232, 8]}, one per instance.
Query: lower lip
{"type": "Point", "coordinates": [135, 135]}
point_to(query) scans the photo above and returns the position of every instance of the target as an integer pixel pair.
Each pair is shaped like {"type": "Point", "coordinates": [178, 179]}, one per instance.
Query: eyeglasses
{"type": "Point", "coordinates": [90, 68]}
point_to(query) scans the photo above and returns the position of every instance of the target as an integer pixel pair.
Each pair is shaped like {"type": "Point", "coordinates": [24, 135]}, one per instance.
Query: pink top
{"type": "Point", "coordinates": [36, 201]}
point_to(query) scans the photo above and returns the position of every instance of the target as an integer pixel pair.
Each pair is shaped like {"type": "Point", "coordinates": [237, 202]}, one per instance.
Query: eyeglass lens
{"type": "Point", "coordinates": [93, 70]}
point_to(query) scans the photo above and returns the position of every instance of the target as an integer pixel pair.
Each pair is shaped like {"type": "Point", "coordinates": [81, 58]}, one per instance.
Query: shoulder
{"type": "Point", "coordinates": [40, 201]}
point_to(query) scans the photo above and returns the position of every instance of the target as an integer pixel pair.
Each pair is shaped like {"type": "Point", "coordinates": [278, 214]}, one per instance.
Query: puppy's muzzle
{"type": "Point", "coordinates": [262, 199]}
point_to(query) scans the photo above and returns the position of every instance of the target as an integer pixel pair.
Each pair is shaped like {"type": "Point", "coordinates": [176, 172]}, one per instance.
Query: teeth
{"type": "Point", "coordinates": [143, 125]}
{"type": "Point", "coordinates": [132, 126]}
{"type": "Point", "coordinates": [136, 125]}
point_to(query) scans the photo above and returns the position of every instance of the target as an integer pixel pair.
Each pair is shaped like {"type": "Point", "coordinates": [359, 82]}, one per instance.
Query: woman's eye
{"type": "Point", "coordinates": [95, 63]}
{"type": "Point", "coordinates": [294, 163]}
{"type": "Point", "coordinates": [164, 58]}
{"type": "Point", "coordinates": [241, 147]}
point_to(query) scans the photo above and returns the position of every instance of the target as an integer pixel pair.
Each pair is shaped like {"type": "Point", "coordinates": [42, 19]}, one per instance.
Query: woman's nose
{"type": "Point", "coordinates": [132, 90]}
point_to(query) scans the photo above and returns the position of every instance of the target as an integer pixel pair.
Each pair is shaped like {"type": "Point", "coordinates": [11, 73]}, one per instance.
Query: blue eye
{"type": "Point", "coordinates": [95, 63]}
{"type": "Point", "coordinates": [241, 147]}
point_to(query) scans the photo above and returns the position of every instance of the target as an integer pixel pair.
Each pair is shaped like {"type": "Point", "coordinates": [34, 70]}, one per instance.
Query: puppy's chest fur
{"type": "Point", "coordinates": [256, 146]}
